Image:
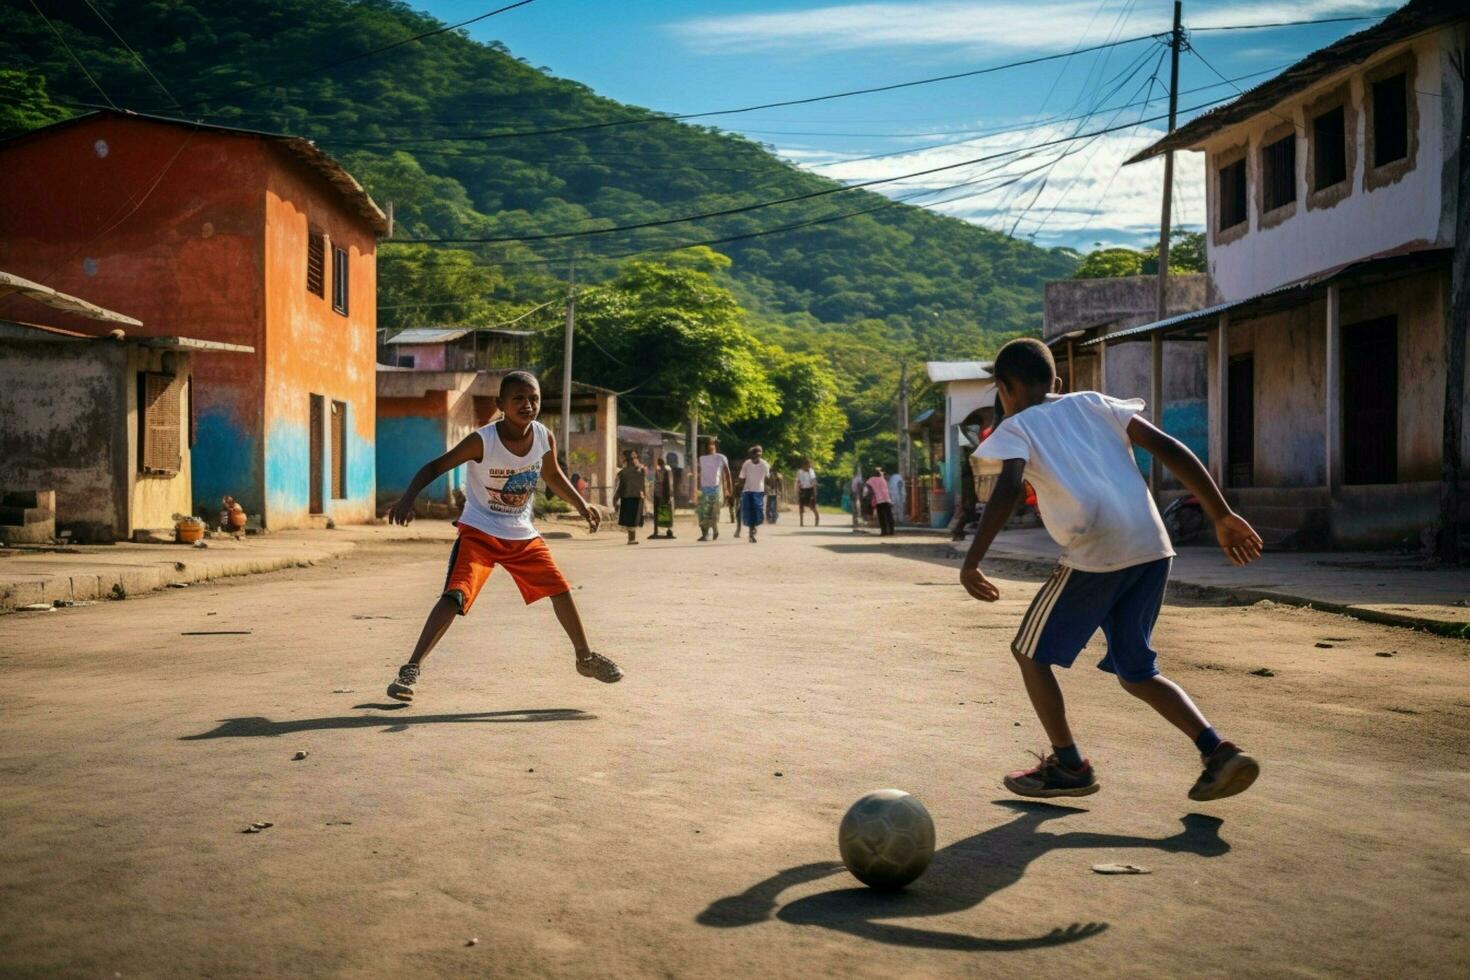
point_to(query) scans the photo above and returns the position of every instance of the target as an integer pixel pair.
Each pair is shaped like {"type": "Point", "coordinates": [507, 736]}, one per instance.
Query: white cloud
{"type": "Point", "coordinates": [1087, 196]}
{"type": "Point", "coordinates": [1006, 25]}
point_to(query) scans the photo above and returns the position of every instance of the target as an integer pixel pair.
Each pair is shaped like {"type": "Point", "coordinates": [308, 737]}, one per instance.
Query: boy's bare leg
{"type": "Point", "coordinates": [1046, 700]}
{"type": "Point", "coordinates": [1169, 700]}
{"type": "Point", "coordinates": [438, 622]}
{"type": "Point", "coordinates": [589, 664]}
{"type": "Point", "coordinates": [566, 614]}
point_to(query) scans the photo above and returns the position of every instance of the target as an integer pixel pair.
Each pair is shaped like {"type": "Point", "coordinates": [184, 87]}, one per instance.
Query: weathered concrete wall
{"type": "Point", "coordinates": [312, 349]}
{"type": "Point", "coordinates": [1128, 372]}
{"type": "Point", "coordinates": [1374, 215]}
{"type": "Point", "coordinates": [187, 261]}
{"type": "Point", "coordinates": [1124, 301]}
{"type": "Point", "coordinates": [63, 413]}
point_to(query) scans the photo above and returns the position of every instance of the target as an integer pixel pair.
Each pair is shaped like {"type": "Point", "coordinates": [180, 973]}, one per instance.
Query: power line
{"type": "Point", "coordinates": [726, 212]}
{"type": "Point", "coordinates": [136, 57]}
{"type": "Point", "coordinates": [73, 55]}
{"type": "Point", "coordinates": [318, 69]}
{"type": "Point", "coordinates": [644, 120]}
{"type": "Point", "coordinates": [1288, 23]}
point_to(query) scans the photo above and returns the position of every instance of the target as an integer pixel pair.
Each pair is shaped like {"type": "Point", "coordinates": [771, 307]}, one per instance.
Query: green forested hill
{"type": "Point", "coordinates": [442, 128]}
{"type": "Point", "coordinates": [408, 122]}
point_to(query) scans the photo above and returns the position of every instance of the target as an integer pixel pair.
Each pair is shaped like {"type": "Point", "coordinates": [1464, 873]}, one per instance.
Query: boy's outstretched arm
{"type": "Point", "coordinates": [467, 451]}
{"type": "Point", "coordinates": [557, 480]}
{"type": "Point", "coordinates": [1240, 542]}
{"type": "Point", "coordinates": [1009, 487]}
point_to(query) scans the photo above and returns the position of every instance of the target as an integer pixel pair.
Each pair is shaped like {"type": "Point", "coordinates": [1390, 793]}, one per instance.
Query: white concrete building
{"type": "Point", "coordinates": [1332, 196]}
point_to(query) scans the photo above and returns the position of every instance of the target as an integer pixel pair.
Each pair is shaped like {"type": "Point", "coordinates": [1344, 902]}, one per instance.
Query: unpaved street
{"type": "Point", "coordinates": [683, 823]}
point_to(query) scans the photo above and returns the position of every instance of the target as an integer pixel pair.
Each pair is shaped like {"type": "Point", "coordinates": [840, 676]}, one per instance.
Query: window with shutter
{"type": "Point", "coordinates": [316, 263]}
{"type": "Point", "coordinates": [161, 422]}
{"type": "Point", "coordinates": [339, 280]}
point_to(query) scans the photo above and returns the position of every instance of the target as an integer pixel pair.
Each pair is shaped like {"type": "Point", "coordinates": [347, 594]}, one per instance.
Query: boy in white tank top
{"type": "Point", "coordinates": [503, 461]}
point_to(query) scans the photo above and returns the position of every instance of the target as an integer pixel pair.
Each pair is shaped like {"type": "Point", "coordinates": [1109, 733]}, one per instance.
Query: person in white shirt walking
{"type": "Point", "coordinates": [753, 473]}
{"type": "Point", "coordinates": [897, 492]}
{"type": "Point", "coordinates": [806, 493]}
{"type": "Point", "coordinates": [714, 487]}
{"type": "Point", "coordinates": [1076, 451]}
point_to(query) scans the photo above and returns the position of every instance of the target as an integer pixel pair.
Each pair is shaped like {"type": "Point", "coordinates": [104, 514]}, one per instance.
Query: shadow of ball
{"type": "Point", "coordinates": [886, 839]}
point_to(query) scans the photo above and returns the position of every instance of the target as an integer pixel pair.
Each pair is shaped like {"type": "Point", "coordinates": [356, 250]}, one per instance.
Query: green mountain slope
{"type": "Point", "coordinates": [410, 123]}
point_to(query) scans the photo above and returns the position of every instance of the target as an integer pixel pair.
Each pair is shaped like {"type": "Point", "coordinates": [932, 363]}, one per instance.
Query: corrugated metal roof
{"type": "Point", "coordinates": [298, 147]}
{"type": "Point", "coordinates": [1413, 18]}
{"type": "Point", "coordinates": [427, 335]}
{"type": "Point", "coordinates": [19, 329]}
{"type": "Point", "coordinates": [61, 301]}
{"type": "Point", "coordinates": [1383, 265]}
{"type": "Point", "coordinates": [944, 371]}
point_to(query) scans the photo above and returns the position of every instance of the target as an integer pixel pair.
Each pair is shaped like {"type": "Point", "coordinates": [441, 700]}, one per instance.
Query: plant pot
{"type": "Point", "coordinates": [187, 532]}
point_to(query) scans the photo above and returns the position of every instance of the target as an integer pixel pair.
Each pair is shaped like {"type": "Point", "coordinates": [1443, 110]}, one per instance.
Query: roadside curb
{"type": "Point", "coordinates": [123, 580]}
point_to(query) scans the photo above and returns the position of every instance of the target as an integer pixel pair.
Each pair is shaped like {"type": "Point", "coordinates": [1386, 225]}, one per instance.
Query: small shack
{"type": "Point", "coordinates": [103, 423]}
{"type": "Point", "coordinates": [456, 349]}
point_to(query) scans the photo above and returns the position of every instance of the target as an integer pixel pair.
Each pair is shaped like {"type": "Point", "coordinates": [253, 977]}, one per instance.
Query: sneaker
{"type": "Point", "coordinates": [1050, 778]}
{"type": "Point", "coordinates": [1227, 771]}
{"type": "Point", "coordinates": [402, 689]}
{"type": "Point", "coordinates": [598, 666]}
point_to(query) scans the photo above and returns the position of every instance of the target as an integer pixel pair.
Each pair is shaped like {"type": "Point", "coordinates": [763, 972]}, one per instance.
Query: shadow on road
{"type": "Point", "coordinates": [257, 726]}
{"type": "Point", "coordinates": [963, 875]}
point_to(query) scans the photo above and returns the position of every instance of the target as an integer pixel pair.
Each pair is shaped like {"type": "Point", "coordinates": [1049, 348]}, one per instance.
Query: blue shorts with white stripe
{"type": "Point", "coordinates": [1072, 605]}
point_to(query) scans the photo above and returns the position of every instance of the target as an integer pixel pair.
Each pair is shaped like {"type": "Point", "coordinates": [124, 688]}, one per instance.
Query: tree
{"type": "Point", "coordinates": [419, 286]}
{"type": "Point", "coordinates": [24, 104]}
{"type": "Point", "coordinates": [809, 421]}
{"type": "Point", "coordinates": [1186, 254]}
{"type": "Point", "coordinates": [673, 340]}
{"type": "Point", "coordinates": [1110, 263]}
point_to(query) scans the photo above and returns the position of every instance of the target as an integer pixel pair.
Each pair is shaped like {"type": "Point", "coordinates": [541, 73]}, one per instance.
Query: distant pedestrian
{"type": "Point", "coordinates": [882, 501]}
{"type": "Point", "coordinates": [663, 498]}
{"type": "Point", "coordinates": [898, 491]}
{"type": "Point", "coordinates": [859, 490]}
{"type": "Point", "coordinates": [630, 491]}
{"type": "Point", "coordinates": [753, 474]}
{"type": "Point", "coordinates": [775, 483]}
{"type": "Point", "coordinates": [714, 487]}
{"type": "Point", "coordinates": [806, 493]}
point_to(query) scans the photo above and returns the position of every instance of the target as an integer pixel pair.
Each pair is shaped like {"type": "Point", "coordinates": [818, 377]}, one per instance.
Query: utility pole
{"type": "Point", "coordinates": [1156, 342]}
{"type": "Point", "coordinates": [564, 433]}
{"type": "Point", "coordinates": [905, 450]}
{"type": "Point", "coordinates": [1457, 323]}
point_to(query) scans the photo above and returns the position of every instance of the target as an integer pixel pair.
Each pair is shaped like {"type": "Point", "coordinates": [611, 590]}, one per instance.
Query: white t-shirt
{"type": "Point", "coordinates": [754, 473]}
{"type": "Point", "coordinates": [499, 485]}
{"type": "Point", "coordinates": [1079, 460]}
{"type": "Point", "coordinates": [709, 470]}
{"type": "Point", "coordinates": [806, 479]}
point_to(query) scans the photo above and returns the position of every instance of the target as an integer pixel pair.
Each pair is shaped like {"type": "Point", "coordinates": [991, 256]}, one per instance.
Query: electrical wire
{"type": "Point", "coordinates": [136, 57]}
{"type": "Point", "coordinates": [1289, 23]}
{"type": "Point", "coordinates": [73, 55]}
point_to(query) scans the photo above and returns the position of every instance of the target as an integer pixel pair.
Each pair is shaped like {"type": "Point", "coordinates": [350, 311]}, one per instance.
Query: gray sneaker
{"type": "Point", "coordinates": [402, 689]}
{"type": "Point", "coordinates": [1227, 771]}
{"type": "Point", "coordinates": [598, 666]}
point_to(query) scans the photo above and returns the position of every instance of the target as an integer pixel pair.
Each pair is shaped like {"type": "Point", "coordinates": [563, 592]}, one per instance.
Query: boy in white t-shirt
{"type": "Point", "coordinates": [503, 462]}
{"type": "Point", "coordinates": [753, 473]}
{"type": "Point", "coordinates": [1077, 453]}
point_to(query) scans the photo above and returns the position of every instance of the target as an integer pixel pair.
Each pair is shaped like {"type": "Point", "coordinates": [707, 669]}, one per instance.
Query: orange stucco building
{"type": "Point", "coordinates": [226, 235]}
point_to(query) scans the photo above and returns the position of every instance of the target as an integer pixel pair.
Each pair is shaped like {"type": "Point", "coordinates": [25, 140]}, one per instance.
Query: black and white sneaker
{"type": "Point", "coordinates": [402, 688]}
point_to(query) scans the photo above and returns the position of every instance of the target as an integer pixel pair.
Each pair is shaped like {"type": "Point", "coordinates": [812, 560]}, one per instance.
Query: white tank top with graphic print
{"type": "Point", "coordinates": [499, 487]}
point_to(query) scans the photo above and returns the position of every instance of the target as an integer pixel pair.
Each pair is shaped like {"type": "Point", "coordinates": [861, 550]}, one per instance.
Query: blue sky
{"type": "Point", "coordinates": [698, 55]}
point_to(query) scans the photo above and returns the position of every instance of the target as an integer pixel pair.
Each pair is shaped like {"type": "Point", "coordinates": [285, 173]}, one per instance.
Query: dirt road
{"type": "Point", "coordinates": [683, 822]}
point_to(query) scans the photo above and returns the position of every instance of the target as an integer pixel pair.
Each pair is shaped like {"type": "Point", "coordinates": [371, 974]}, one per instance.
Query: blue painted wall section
{"type": "Point", "coordinates": [406, 443]}
{"type": "Point", "coordinates": [287, 466]}
{"type": "Point", "coordinates": [225, 462]}
{"type": "Point", "coordinates": [1189, 422]}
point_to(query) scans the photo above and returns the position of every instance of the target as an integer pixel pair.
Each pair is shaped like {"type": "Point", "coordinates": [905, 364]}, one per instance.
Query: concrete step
{"type": "Point", "coordinates": [1282, 516]}
{"type": "Point", "coordinates": [1277, 496]}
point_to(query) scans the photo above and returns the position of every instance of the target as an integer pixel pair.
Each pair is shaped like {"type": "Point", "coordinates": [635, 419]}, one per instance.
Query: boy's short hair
{"type": "Point", "coordinates": [525, 378]}
{"type": "Point", "coordinates": [1025, 360]}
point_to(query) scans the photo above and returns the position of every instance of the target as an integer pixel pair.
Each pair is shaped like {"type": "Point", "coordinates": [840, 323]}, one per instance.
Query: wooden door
{"type": "Point", "coordinates": [314, 461]}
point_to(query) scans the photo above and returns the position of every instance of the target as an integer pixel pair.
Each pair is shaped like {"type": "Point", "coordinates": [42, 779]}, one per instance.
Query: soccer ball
{"type": "Point", "coordinates": [886, 839]}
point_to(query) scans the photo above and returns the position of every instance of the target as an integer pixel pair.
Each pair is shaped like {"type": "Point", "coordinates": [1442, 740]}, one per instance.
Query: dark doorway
{"type": "Point", "coordinates": [1370, 401]}
{"type": "Point", "coordinates": [314, 456]}
{"type": "Point", "coordinates": [1240, 449]}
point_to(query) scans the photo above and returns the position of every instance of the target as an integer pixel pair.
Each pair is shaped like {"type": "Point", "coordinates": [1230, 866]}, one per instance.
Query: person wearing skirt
{"type": "Point", "coordinates": [663, 498]}
{"type": "Point", "coordinates": [629, 491]}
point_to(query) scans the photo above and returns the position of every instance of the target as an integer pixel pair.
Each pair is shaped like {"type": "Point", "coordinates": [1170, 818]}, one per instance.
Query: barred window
{"type": "Point", "coordinates": [1329, 151]}
{"type": "Point", "coordinates": [339, 280]}
{"type": "Point", "coordinates": [1232, 195]}
{"type": "Point", "coordinates": [1390, 119]}
{"type": "Point", "coordinates": [1278, 172]}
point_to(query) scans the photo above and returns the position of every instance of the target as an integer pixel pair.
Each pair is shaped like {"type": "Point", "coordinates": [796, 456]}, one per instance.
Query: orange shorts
{"type": "Point", "coordinates": [475, 554]}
